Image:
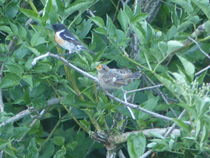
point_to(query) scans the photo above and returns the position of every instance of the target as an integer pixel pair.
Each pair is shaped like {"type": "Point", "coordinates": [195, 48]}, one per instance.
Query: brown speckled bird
{"type": "Point", "coordinates": [115, 78]}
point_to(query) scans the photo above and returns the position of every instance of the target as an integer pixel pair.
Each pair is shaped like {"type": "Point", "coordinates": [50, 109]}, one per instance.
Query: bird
{"type": "Point", "coordinates": [111, 79]}
{"type": "Point", "coordinates": [66, 39]}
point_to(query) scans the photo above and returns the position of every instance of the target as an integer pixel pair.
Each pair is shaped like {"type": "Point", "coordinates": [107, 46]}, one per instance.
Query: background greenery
{"type": "Point", "coordinates": [139, 35]}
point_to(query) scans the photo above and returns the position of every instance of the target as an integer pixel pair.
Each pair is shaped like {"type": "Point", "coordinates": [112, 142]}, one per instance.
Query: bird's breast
{"type": "Point", "coordinates": [65, 44]}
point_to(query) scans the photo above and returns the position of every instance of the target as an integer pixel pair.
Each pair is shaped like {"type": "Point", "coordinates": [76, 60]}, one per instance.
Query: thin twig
{"type": "Point", "coordinates": [202, 70]}
{"type": "Point", "coordinates": [123, 137]}
{"type": "Point", "coordinates": [1, 154]}
{"type": "Point", "coordinates": [50, 135]}
{"type": "Point", "coordinates": [200, 29]}
{"type": "Point", "coordinates": [66, 62]}
{"type": "Point", "coordinates": [1, 95]}
{"type": "Point", "coordinates": [133, 106]}
{"type": "Point", "coordinates": [137, 107]}
{"type": "Point", "coordinates": [129, 109]}
{"type": "Point", "coordinates": [202, 51]}
{"type": "Point", "coordinates": [27, 112]}
{"type": "Point", "coordinates": [145, 88]}
{"type": "Point", "coordinates": [167, 133]}
{"type": "Point", "coordinates": [32, 124]}
{"type": "Point", "coordinates": [18, 116]}
{"type": "Point", "coordinates": [135, 5]}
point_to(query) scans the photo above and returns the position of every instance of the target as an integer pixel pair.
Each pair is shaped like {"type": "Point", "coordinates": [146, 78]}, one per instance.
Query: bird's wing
{"type": "Point", "coordinates": [114, 79]}
{"type": "Point", "coordinates": [68, 36]}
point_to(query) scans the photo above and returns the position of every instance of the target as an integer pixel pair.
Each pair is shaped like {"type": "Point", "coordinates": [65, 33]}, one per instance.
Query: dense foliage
{"type": "Point", "coordinates": [50, 110]}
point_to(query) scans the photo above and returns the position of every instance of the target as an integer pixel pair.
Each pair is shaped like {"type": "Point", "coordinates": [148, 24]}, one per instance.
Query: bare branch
{"type": "Point", "coordinates": [200, 29]}
{"type": "Point", "coordinates": [1, 97]}
{"type": "Point", "coordinates": [27, 112]}
{"type": "Point", "coordinates": [202, 51]}
{"type": "Point", "coordinates": [137, 107]}
{"type": "Point", "coordinates": [145, 88]}
{"type": "Point", "coordinates": [167, 133]}
{"type": "Point", "coordinates": [129, 109]}
{"type": "Point", "coordinates": [17, 117]}
{"type": "Point", "coordinates": [66, 62]}
{"type": "Point", "coordinates": [133, 106]}
{"type": "Point", "coordinates": [121, 138]}
{"type": "Point", "coordinates": [202, 70]}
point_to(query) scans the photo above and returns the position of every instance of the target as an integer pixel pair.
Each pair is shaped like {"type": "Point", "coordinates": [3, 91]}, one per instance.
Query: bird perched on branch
{"type": "Point", "coordinates": [115, 78]}
{"type": "Point", "coordinates": [67, 40]}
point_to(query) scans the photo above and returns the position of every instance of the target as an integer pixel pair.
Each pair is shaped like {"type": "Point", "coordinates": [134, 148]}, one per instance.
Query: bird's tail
{"type": "Point", "coordinates": [86, 49]}
{"type": "Point", "coordinates": [136, 75]}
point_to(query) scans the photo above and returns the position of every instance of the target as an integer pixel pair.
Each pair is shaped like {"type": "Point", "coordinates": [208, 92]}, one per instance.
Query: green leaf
{"type": "Point", "coordinates": [15, 68]}
{"type": "Point", "coordinates": [172, 32]}
{"type": "Point", "coordinates": [50, 11]}
{"type": "Point", "coordinates": [4, 143]}
{"type": "Point", "coordinates": [50, 148]}
{"type": "Point", "coordinates": [186, 4]}
{"type": "Point", "coordinates": [150, 104]}
{"type": "Point", "coordinates": [14, 28]}
{"type": "Point", "coordinates": [6, 29]}
{"type": "Point", "coordinates": [158, 145]}
{"type": "Point", "coordinates": [204, 6]}
{"type": "Point", "coordinates": [204, 133]}
{"type": "Point", "coordinates": [28, 79]}
{"type": "Point", "coordinates": [110, 27]}
{"type": "Point", "coordinates": [37, 39]}
{"type": "Point", "coordinates": [58, 140]}
{"type": "Point", "coordinates": [84, 28]}
{"type": "Point", "coordinates": [173, 45]}
{"type": "Point", "coordinates": [183, 125]}
{"type": "Point", "coordinates": [123, 19]}
{"type": "Point", "coordinates": [3, 48]}
{"type": "Point", "coordinates": [191, 20]}
{"type": "Point", "coordinates": [98, 21]}
{"type": "Point", "coordinates": [21, 52]}
{"type": "Point", "coordinates": [42, 67]}
{"type": "Point", "coordinates": [34, 50]}
{"type": "Point", "coordinates": [60, 153]}
{"type": "Point", "coordinates": [180, 77]}
{"type": "Point", "coordinates": [10, 80]}
{"type": "Point", "coordinates": [163, 47]}
{"type": "Point", "coordinates": [78, 5]}
{"type": "Point", "coordinates": [188, 66]}
{"type": "Point", "coordinates": [11, 9]}
{"type": "Point", "coordinates": [197, 127]}
{"type": "Point", "coordinates": [136, 145]}
{"type": "Point", "coordinates": [207, 26]}
{"type": "Point", "coordinates": [22, 32]}
{"type": "Point", "coordinates": [32, 149]}
{"type": "Point", "coordinates": [139, 17]}
{"type": "Point", "coordinates": [11, 151]}
{"type": "Point", "coordinates": [101, 31]}
{"type": "Point", "coordinates": [72, 145]}
{"type": "Point", "coordinates": [47, 7]}
{"type": "Point", "coordinates": [31, 14]}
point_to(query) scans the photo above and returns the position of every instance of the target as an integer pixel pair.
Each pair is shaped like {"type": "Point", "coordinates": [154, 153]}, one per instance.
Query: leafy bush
{"type": "Point", "coordinates": [51, 110]}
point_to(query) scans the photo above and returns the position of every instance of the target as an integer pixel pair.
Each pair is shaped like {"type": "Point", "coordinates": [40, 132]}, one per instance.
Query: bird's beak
{"type": "Point", "coordinates": [99, 67]}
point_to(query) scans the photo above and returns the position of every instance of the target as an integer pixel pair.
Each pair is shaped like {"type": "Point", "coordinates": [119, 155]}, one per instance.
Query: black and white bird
{"type": "Point", "coordinates": [66, 39]}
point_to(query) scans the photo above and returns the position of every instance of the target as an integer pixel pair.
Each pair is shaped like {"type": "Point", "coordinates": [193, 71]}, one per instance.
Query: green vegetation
{"type": "Point", "coordinates": [50, 110]}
